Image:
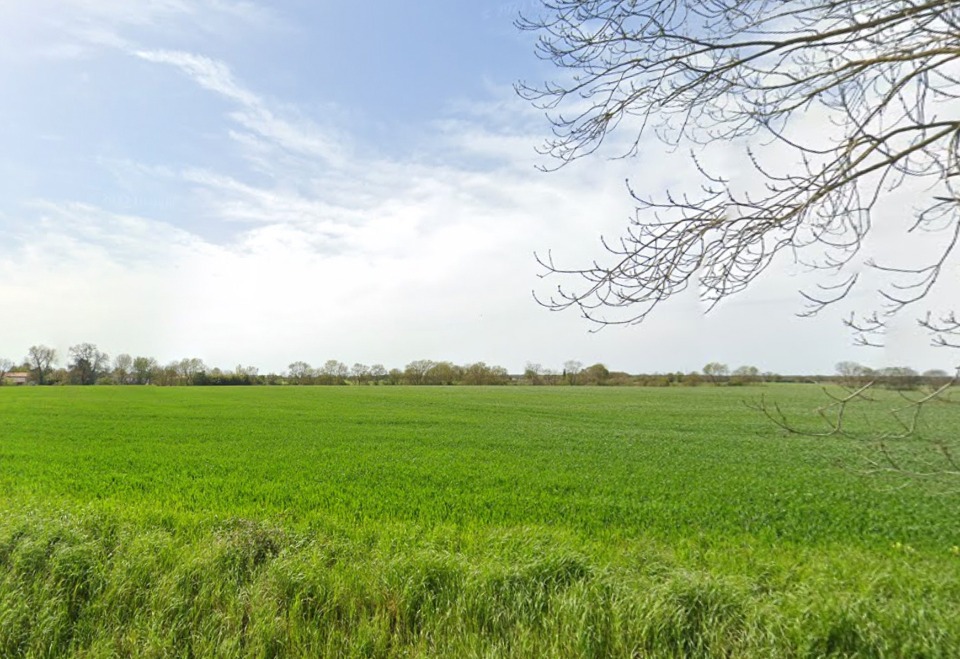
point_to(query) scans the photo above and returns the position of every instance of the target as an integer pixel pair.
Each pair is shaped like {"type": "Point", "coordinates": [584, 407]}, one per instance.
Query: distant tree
{"type": "Point", "coordinates": [168, 376]}
{"type": "Point", "coordinates": [87, 363]}
{"type": "Point", "coordinates": [216, 377]}
{"type": "Point", "coordinates": [443, 373]}
{"type": "Point", "coordinates": [360, 373]}
{"type": "Point", "coordinates": [901, 378]}
{"type": "Point", "coordinates": [498, 375]}
{"type": "Point", "coordinates": [395, 376]}
{"type": "Point", "coordinates": [656, 380]}
{"type": "Point", "coordinates": [188, 369]}
{"type": "Point", "coordinates": [300, 372]}
{"type": "Point", "coordinates": [210, 377]}
{"type": "Point", "coordinates": [596, 374]}
{"type": "Point", "coordinates": [378, 373]}
{"type": "Point", "coordinates": [480, 373]}
{"type": "Point", "coordinates": [551, 377]}
{"type": "Point", "coordinates": [936, 377]}
{"type": "Point", "coordinates": [416, 371]}
{"type": "Point", "coordinates": [745, 375]}
{"type": "Point", "coordinates": [571, 371]}
{"type": "Point", "coordinates": [475, 374]}
{"type": "Point", "coordinates": [41, 359]}
{"type": "Point", "coordinates": [716, 372]}
{"type": "Point", "coordinates": [621, 379]}
{"type": "Point", "coordinates": [533, 373]}
{"type": "Point", "coordinates": [123, 369]}
{"type": "Point", "coordinates": [852, 373]}
{"type": "Point", "coordinates": [245, 375]}
{"type": "Point", "coordinates": [5, 367]}
{"type": "Point", "coordinates": [59, 376]}
{"type": "Point", "coordinates": [145, 370]}
{"type": "Point", "coordinates": [334, 372]}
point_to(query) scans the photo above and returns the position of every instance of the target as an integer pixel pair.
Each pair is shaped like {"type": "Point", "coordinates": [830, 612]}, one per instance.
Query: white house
{"type": "Point", "coordinates": [16, 378]}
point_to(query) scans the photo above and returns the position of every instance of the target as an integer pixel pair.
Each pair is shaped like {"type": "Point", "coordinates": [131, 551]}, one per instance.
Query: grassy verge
{"type": "Point", "coordinates": [88, 585]}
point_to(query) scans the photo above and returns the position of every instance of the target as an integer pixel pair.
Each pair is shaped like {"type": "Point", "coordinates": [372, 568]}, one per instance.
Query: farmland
{"type": "Point", "coordinates": [521, 521]}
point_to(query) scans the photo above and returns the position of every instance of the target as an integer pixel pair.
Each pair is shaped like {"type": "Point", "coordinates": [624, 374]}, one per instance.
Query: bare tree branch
{"type": "Point", "coordinates": [882, 73]}
{"type": "Point", "coordinates": [902, 447]}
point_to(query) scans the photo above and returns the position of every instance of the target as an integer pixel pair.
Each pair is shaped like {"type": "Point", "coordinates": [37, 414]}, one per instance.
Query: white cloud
{"type": "Point", "coordinates": [159, 12]}
{"type": "Point", "coordinates": [299, 135]}
{"type": "Point", "coordinates": [209, 74]}
{"type": "Point", "coordinates": [230, 200]}
{"type": "Point", "coordinates": [71, 29]}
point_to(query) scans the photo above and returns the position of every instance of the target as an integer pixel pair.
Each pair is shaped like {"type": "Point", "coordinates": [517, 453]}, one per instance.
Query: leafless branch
{"type": "Point", "coordinates": [945, 330]}
{"type": "Point", "coordinates": [901, 447]}
{"type": "Point", "coordinates": [882, 73]}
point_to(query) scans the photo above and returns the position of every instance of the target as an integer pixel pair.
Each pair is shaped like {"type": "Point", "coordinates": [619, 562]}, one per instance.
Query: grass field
{"type": "Point", "coordinates": [393, 521]}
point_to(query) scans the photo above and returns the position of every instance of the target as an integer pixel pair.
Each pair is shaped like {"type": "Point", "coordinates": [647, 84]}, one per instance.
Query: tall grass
{"type": "Point", "coordinates": [84, 586]}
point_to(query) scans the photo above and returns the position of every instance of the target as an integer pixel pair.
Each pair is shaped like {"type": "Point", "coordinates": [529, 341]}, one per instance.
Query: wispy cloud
{"type": "Point", "coordinates": [161, 12]}
{"type": "Point", "coordinates": [77, 231]}
{"type": "Point", "coordinates": [234, 201]}
{"type": "Point", "coordinates": [208, 73]}
{"type": "Point", "coordinates": [251, 13]}
{"type": "Point", "coordinates": [298, 135]}
{"type": "Point", "coordinates": [71, 29]}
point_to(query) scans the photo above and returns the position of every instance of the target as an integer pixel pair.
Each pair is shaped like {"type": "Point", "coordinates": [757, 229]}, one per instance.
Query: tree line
{"type": "Point", "coordinates": [86, 364]}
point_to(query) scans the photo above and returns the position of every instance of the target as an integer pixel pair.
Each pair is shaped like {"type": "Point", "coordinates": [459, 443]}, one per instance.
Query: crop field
{"type": "Point", "coordinates": [462, 522]}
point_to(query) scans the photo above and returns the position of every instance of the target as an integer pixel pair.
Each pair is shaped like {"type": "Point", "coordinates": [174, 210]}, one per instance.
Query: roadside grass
{"type": "Point", "coordinates": [82, 586]}
{"type": "Point", "coordinates": [458, 522]}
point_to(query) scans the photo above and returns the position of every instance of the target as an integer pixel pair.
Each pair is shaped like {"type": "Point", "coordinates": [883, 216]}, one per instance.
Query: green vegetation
{"type": "Point", "coordinates": [393, 521]}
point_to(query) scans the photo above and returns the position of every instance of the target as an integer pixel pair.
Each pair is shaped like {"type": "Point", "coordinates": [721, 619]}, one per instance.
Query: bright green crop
{"type": "Point", "coordinates": [392, 521]}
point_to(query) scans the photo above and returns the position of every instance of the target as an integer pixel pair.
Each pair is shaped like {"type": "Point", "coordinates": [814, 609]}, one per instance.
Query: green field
{"type": "Point", "coordinates": [455, 522]}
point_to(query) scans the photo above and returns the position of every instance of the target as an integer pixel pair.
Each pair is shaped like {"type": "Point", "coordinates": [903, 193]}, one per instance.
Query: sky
{"type": "Point", "coordinates": [258, 184]}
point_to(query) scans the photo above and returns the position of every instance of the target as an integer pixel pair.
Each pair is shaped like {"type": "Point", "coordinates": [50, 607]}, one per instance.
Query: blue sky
{"type": "Point", "coordinates": [263, 183]}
